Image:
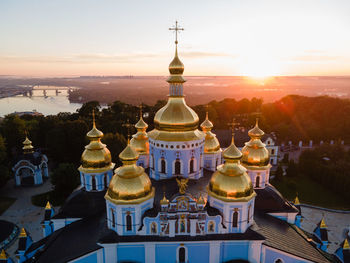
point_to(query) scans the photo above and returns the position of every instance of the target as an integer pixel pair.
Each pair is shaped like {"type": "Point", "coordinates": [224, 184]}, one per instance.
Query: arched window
{"type": "Point", "coordinates": [113, 218]}
{"type": "Point", "coordinates": [93, 179]}
{"type": "Point", "coordinates": [192, 166]}
{"type": "Point", "coordinates": [257, 181]}
{"type": "Point", "coordinates": [249, 207]}
{"type": "Point", "coordinates": [272, 151]}
{"type": "Point", "coordinates": [154, 228]}
{"type": "Point", "coordinates": [278, 260]}
{"type": "Point", "coordinates": [211, 227]}
{"type": "Point", "coordinates": [235, 219]}
{"type": "Point", "coordinates": [105, 181]}
{"type": "Point", "coordinates": [177, 167]}
{"type": "Point", "coordinates": [128, 222]}
{"type": "Point", "coordinates": [182, 255]}
{"type": "Point", "coordinates": [162, 166]}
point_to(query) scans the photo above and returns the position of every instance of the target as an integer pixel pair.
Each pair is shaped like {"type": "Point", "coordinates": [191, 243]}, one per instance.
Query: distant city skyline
{"type": "Point", "coordinates": [253, 38]}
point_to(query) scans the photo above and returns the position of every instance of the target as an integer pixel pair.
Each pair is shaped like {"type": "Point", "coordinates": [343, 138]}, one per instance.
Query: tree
{"type": "Point", "coordinates": [4, 170]}
{"type": "Point", "coordinates": [292, 169]}
{"type": "Point", "coordinates": [13, 129]}
{"type": "Point", "coordinates": [115, 143]}
{"type": "Point", "coordinates": [65, 178]}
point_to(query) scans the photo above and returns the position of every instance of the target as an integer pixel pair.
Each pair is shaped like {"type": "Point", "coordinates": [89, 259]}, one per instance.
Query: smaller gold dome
{"type": "Point", "coordinates": [164, 201]}
{"type": "Point", "coordinates": [211, 143]}
{"type": "Point", "coordinates": [254, 152]}
{"type": "Point", "coordinates": [231, 183]}
{"type": "Point", "coordinates": [27, 146]}
{"type": "Point", "coordinates": [130, 184]}
{"type": "Point", "coordinates": [139, 140]}
{"type": "Point", "coordinates": [176, 69]}
{"type": "Point", "coordinates": [96, 157]}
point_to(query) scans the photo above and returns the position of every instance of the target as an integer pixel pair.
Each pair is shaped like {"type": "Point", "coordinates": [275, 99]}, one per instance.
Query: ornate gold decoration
{"type": "Point", "coordinates": [255, 154]}
{"type": "Point", "coordinates": [346, 244]}
{"type": "Point", "coordinates": [296, 200]}
{"type": "Point", "coordinates": [164, 201]}
{"type": "Point", "coordinates": [23, 233]}
{"type": "Point", "coordinates": [182, 183]}
{"type": "Point", "coordinates": [48, 206]}
{"type": "Point", "coordinates": [3, 254]}
{"type": "Point", "coordinates": [323, 223]}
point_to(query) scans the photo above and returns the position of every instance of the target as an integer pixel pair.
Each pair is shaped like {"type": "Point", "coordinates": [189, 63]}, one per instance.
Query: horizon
{"type": "Point", "coordinates": [258, 39]}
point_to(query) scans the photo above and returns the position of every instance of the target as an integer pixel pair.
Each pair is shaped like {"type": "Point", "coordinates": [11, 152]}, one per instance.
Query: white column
{"type": "Point", "coordinates": [193, 227]}
{"type": "Point", "coordinates": [254, 252]}
{"type": "Point", "coordinates": [172, 227]}
{"type": "Point", "coordinates": [214, 251]}
{"type": "Point", "coordinates": [150, 253]}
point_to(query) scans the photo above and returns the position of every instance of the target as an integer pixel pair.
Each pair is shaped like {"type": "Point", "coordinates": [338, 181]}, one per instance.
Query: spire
{"type": "Point", "coordinates": [3, 254]}
{"type": "Point", "coordinates": [23, 233]}
{"type": "Point", "coordinates": [207, 125]}
{"type": "Point", "coordinates": [256, 132]}
{"type": "Point", "coordinates": [232, 153]}
{"type": "Point", "coordinates": [164, 201]}
{"type": "Point", "coordinates": [141, 125]}
{"type": "Point", "coordinates": [128, 155]}
{"type": "Point", "coordinates": [94, 134]}
{"type": "Point", "coordinates": [346, 244]}
{"type": "Point", "coordinates": [176, 67]}
{"type": "Point", "coordinates": [48, 206]}
{"type": "Point", "coordinates": [323, 223]}
{"type": "Point", "coordinates": [27, 145]}
{"type": "Point", "coordinates": [296, 200]}
{"type": "Point", "coordinates": [200, 200]}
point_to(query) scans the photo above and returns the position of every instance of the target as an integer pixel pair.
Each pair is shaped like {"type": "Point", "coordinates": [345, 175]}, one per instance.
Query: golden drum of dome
{"type": "Point", "coordinates": [176, 116]}
{"type": "Point", "coordinates": [254, 152]}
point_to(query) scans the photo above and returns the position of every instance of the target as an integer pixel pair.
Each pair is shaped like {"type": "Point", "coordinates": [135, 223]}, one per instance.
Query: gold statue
{"type": "Point", "coordinates": [182, 183]}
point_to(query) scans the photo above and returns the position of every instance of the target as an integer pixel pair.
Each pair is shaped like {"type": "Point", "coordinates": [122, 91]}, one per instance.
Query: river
{"type": "Point", "coordinates": [48, 103]}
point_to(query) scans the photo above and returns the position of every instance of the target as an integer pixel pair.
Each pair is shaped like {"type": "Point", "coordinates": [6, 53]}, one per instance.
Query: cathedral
{"type": "Point", "coordinates": [177, 197]}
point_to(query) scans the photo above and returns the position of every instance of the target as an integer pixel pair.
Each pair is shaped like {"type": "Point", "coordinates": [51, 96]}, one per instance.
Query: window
{"type": "Point", "coordinates": [192, 166]}
{"type": "Point", "coordinates": [105, 181]}
{"type": "Point", "coordinates": [128, 222]}
{"type": "Point", "coordinates": [162, 166]}
{"type": "Point", "coordinates": [154, 228]}
{"type": "Point", "coordinates": [211, 227]}
{"type": "Point", "coordinates": [182, 255]}
{"type": "Point", "coordinates": [93, 182]}
{"type": "Point", "coordinates": [235, 219]}
{"type": "Point", "coordinates": [278, 260]}
{"type": "Point", "coordinates": [177, 166]}
{"type": "Point", "coordinates": [249, 213]}
{"type": "Point", "coordinates": [272, 151]}
{"type": "Point", "coordinates": [152, 161]}
{"type": "Point", "coordinates": [257, 181]}
{"type": "Point", "coordinates": [113, 218]}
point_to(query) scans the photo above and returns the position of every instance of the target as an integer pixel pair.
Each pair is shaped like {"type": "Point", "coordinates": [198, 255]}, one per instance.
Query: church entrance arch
{"type": "Point", "coordinates": [26, 176]}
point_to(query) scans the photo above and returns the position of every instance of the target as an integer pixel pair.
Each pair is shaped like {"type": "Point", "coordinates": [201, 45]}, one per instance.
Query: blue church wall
{"type": "Point", "coordinates": [170, 152]}
{"type": "Point", "coordinates": [87, 259]}
{"type": "Point", "coordinates": [166, 253]}
{"type": "Point", "coordinates": [131, 253]}
{"type": "Point", "coordinates": [86, 180]}
{"type": "Point", "coordinates": [198, 252]}
{"type": "Point", "coordinates": [271, 255]}
{"type": "Point", "coordinates": [234, 250]}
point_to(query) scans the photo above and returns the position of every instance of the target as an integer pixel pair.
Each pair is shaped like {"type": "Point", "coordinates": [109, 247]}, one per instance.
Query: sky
{"type": "Point", "coordinates": [223, 37]}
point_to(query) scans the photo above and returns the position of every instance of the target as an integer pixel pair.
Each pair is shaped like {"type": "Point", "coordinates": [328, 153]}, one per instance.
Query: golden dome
{"type": "Point", "coordinates": [231, 183]}
{"type": "Point", "coordinates": [176, 116]}
{"type": "Point", "coordinates": [27, 146]}
{"type": "Point", "coordinates": [130, 184]}
{"type": "Point", "coordinates": [96, 157]}
{"type": "Point", "coordinates": [164, 201]}
{"type": "Point", "coordinates": [139, 140]}
{"type": "Point", "coordinates": [176, 69]}
{"type": "Point", "coordinates": [211, 143]}
{"type": "Point", "coordinates": [255, 155]}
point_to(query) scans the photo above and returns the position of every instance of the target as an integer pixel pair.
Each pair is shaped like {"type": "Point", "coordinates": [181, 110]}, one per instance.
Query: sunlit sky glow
{"type": "Point", "coordinates": [245, 37]}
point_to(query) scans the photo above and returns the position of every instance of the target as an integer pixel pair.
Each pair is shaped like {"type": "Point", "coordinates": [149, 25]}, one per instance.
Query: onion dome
{"type": "Point", "coordinates": [254, 152]}
{"type": "Point", "coordinates": [211, 143]}
{"type": "Point", "coordinates": [231, 183]}
{"type": "Point", "coordinates": [96, 157]}
{"type": "Point", "coordinates": [27, 146]}
{"type": "Point", "coordinates": [130, 184]}
{"type": "Point", "coordinates": [139, 140]}
{"type": "Point", "coordinates": [176, 69]}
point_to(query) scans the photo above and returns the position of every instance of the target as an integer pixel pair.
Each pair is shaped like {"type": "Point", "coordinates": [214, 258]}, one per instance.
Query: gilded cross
{"type": "Point", "coordinates": [141, 107]}
{"type": "Point", "coordinates": [128, 126]}
{"type": "Point", "coordinates": [176, 29]}
{"type": "Point", "coordinates": [232, 124]}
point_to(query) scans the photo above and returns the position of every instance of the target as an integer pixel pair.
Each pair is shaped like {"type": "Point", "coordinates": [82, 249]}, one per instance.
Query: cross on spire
{"type": "Point", "coordinates": [232, 124]}
{"type": "Point", "coordinates": [128, 126]}
{"type": "Point", "coordinates": [140, 108]}
{"type": "Point", "coordinates": [93, 118]}
{"type": "Point", "coordinates": [176, 29]}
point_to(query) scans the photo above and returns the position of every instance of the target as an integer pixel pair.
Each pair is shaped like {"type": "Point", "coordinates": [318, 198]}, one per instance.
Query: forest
{"type": "Point", "coordinates": [63, 136]}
